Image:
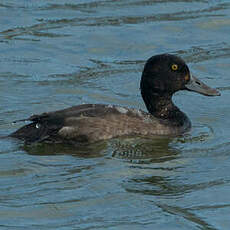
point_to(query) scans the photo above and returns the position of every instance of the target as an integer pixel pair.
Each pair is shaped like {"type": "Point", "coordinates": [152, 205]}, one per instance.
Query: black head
{"type": "Point", "coordinates": [165, 74]}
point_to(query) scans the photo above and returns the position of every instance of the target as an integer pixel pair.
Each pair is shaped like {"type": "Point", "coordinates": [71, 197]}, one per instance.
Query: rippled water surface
{"type": "Point", "coordinates": [55, 54]}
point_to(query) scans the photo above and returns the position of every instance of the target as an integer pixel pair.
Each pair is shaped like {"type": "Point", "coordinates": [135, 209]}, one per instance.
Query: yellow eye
{"type": "Point", "coordinates": [174, 67]}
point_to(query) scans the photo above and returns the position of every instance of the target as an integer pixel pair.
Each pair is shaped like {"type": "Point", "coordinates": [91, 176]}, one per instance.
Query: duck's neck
{"type": "Point", "coordinates": [162, 107]}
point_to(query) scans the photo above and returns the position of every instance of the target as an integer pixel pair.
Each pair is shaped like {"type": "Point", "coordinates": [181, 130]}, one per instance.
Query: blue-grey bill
{"type": "Point", "coordinates": [198, 86]}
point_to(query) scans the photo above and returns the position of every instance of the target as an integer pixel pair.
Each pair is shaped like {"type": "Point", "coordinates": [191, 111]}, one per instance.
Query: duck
{"type": "Point", "coordinates": [162, 76]}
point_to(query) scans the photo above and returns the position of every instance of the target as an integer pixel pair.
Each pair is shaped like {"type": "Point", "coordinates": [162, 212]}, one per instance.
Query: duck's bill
{"type": "Point", "coordinates": [198, 86]}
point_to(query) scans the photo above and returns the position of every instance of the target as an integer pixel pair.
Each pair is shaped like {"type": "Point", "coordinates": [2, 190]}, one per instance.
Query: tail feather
{"type": "Point", "coordinates": [30, 133]}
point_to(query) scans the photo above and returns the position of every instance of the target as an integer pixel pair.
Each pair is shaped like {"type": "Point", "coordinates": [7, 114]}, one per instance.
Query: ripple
{"type": "Point", "coordinates": [38, 30]}
{"type": "Point", "coordinates": [200, 133]}
{"type": "Point", "coordinates": [15, 172]}
{"type": "Point", "coordinates": [186, 214]}
{"type": "Point", "coordinates": [202, 142]}
{"type": "Point", "coordinates": [197, 54]}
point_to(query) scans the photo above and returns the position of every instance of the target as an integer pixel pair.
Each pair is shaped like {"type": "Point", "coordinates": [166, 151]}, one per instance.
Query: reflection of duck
{"type": "Point", "coordinates": [143, 150]}
{"type": "Point", "coordinates": [162, 76]}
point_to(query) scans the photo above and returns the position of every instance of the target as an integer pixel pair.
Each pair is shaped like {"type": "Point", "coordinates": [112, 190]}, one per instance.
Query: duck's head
{"type": "Point", "coordinates": [166, 74]}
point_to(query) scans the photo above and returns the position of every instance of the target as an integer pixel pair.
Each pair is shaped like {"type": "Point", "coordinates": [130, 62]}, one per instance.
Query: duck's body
{"type": "Point", "coordinates": [94, 122]}
{"type": "Point", "coordinates": [89, 123]}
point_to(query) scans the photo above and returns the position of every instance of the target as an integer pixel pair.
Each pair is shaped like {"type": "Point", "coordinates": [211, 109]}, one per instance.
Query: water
{"type": "Point", "coordinates": [55, 54]}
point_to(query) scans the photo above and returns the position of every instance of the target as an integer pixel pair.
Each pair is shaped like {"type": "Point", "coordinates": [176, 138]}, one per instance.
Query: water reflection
{"type": "Point", "coordinates": [85, 151]}
{"type": "Point", "coordinates": [143, 151]}
{"type": "Point", "coordinates": [165, 186]}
